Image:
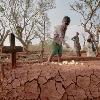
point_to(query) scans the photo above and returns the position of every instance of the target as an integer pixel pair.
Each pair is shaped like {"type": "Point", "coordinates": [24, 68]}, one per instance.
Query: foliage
{"type": "Point", "coordinates": [22, 17]}
{"type": "Point", "coordinates": [90, 12]}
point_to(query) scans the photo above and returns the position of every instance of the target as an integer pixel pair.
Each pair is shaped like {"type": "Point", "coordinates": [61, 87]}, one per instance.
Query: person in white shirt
{"type": "Point", "coordinates": [90, 49]}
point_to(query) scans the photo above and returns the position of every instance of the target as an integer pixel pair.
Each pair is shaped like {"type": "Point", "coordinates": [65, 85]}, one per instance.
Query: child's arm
{"type": "Point", "coordinates": [73, 38]}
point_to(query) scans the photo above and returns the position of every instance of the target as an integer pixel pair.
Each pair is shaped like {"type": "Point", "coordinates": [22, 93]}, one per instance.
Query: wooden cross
{"type": "Point", "coordinates": [10, 49]}
{"type": "Point", "coordinates": [13, 50]}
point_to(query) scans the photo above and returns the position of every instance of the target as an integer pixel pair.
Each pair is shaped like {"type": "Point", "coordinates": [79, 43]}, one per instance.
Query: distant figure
{"type": "Point", "coordinates": [30, 46]}
{"type": "Point", "coordinates": [90, 49]}
{"type": "Point", "coordinates": [58, 40]}
{"type": "Point", "coordinates": [94, 44]}
{"type": "Point", "coordinates": [77, 45]}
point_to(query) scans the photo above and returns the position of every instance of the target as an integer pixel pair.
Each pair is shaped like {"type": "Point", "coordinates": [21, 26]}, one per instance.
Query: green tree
{"type": "Point", "coordinates": [43, 30]}
{"type": "Point", "coordinates": [3, 32]}
{"type": "Point", "coordinates": [21, 17]}
{"type": "Point", "coordinates": [90, 14]}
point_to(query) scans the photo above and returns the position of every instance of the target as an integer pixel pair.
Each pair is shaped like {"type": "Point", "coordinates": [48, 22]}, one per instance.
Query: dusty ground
{"type": "Point", "coordinates": [75, 80]}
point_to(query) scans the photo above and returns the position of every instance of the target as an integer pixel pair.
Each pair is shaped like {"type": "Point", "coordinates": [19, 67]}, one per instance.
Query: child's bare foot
{"type": "Point", "coordinates": [47, 63]}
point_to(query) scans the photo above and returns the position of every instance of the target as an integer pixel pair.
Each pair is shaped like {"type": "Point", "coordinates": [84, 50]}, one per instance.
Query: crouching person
{"type": "Point", "coordinates": [91, 50]}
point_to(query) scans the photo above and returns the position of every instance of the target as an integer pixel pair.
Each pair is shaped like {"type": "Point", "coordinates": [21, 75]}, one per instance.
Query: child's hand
{"type": "Point", "coordinates": [67, 46]}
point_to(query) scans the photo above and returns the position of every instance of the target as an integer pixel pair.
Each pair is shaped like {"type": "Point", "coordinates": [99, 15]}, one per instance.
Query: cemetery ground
{"type": "Point", "coordinates": [75, 78]}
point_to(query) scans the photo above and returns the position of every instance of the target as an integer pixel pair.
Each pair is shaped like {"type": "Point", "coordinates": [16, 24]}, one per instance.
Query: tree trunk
{"type": "Point", "coordinates": [42, 51]}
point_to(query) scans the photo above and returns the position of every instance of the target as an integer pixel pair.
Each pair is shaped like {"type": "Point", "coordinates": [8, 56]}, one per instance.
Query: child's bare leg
{"type": "Point", "coordinates": [50, 58]}
{"type": "Point", "coordinates": [59, 58]}
{"type": "Point", "coordinates": [78, 54]}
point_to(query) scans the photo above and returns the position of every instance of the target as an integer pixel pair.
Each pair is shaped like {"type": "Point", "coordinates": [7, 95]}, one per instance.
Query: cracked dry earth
{"type": "Point", "coordinates": [52, 82]}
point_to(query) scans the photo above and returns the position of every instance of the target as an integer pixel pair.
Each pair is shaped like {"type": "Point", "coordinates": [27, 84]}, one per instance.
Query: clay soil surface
{"type": "Point", "coordinates": [74, 78]}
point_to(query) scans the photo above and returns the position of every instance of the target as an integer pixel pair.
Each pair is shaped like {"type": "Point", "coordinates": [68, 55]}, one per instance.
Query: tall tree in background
{"type": "Point", "coordinates": [20, 17]}
{"type": "Point", "coordinates": [3, 33]}
{"type": "Point", "coordinates": [43, 30]}
{"type": "Point", "coordinates": [90, 14]}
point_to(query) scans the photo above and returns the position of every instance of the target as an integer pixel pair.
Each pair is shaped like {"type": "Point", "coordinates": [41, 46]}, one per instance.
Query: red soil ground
{"type": "Point", "coordinates": [32, 80]}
